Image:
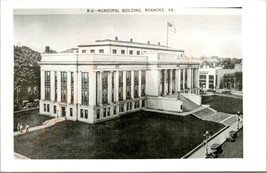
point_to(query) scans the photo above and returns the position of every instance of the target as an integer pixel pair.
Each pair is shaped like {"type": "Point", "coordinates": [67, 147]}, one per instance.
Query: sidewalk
{"type": "Point", "coordinates": [220, 139]}
{"type": "Point", "coordinates": [46, 124]}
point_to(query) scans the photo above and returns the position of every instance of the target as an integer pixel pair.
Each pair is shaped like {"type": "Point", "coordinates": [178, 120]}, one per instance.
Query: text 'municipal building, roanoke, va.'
{"type": "Point", "coordinates": [109, 78]}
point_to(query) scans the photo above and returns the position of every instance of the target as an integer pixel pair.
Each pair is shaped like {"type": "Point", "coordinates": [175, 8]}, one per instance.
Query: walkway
{"type": "Point", "coordinates": [200, 151]}
{"type": "Point", "coordinates": [46, 124]}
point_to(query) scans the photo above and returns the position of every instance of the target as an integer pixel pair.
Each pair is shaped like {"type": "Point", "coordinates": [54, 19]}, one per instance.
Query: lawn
{"type": "Point", "coordinates": [32, 118]}
{"type": "Point", "coordinates": [140, 135]}
{"type": "Point", "coordinates": [224, 104]}
{"type": "Point", "coordinates": [233, 149]}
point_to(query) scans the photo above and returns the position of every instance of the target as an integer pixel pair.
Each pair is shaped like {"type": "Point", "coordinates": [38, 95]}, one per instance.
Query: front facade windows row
{"type": "Point", "coordinates": [116, 109]}
{"type": "Point", "coordinates": [129, 84]}
{"type": "Point", "coordinates": [85, 86]}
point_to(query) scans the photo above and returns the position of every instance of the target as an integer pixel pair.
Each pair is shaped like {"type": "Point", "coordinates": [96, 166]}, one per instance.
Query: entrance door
{"type": "Point", "coordinates": [63, 111]}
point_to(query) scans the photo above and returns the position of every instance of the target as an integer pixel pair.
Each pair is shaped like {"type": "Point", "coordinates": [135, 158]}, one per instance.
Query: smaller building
{"type": "Point", "coordinates": [230, 79]}
{"type": "Point", "coordinates": [207, 75]}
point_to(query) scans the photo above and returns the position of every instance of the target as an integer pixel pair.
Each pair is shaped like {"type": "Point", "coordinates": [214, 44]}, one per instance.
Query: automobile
{"type": "Point", "coordinates": [232, 136]}
{"type": "Point", "coordinates": [226, 92]}
{"type": "Point", "coordinates": [215, 151]}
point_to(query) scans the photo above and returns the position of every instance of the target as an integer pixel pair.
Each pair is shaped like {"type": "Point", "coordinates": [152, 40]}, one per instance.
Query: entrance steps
{"type": "Point", "coordinates": [188, 105]}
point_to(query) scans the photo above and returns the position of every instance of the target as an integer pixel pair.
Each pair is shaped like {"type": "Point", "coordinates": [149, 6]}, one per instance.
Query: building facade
{"type": "Point", "coordinates": [231, 79]}
{"type": "Point", "coordinates": [109, 78]}
{"type": "Point", "coordinates": [207, 76]}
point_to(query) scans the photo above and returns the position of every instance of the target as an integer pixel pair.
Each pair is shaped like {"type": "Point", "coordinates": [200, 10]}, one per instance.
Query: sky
{"type": "Point", "coordinates": [198, 35]}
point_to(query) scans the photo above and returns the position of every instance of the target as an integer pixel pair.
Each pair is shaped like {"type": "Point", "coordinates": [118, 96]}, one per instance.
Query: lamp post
{"type": "Point", "coordinates": [238, 120]}
{"type": "Point", "coordinates": [206, 135]}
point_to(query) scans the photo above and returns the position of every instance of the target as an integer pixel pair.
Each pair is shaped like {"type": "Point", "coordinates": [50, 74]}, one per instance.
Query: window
{"type": "Point", "coordinates": [35, 90]}
{"type": "Point", "coordinates": [114, 51]}
{"type": "Point", "coordinates": [63, 77]}
{"type": "Point", "coordinates": [92, 51]}
{"type": "Point", "coordinates": [86, 114]}
{"type": "Point", "coordinates": [143, 92]}
{"type": "Point", "coordinates": [108, 112]}
{"type": "Point", "coordinates": [47, 78]}
{"type": "Point", "coordinates": [72, 96]}
{"type": "Point", "coordinates": [143, 76]}
{"type": "Point", "coordinates": [97, 114]}
{"type": "Point", "coordinates": [44, 107]}
{"type": "Point", "coordinates": [55, 86]}
{"type": "Point", "coordinates": [81, 113]}
{"type": "Point", "coordinates": [84, 78]}
{"type": "Point", "coordinates": [55, 109]}
{"type": "Point", "coordinates": [104, 95]}
{"type": "Point", "coordinates": [72, 77]}
{"type": "Point", "coordinates": [85, 86]}
{"type": "Point", "coordinates": [101, 50]}
{"type": "Point", "coordinates": [121, 107]}
{"type": "Point", "coordinates": [85, 97]}
{"type": "Point", "coordinates": [128, 92]}
{"type": "Point", "coordinates": [63, 95]}
{"type": "Point", "coordinates": [29, 91]}
{"type": "Point", "coordinates": [128, 76]}
{"type": "Point", "coordinates": [130, 52]}
{"type": "Point", "coordinates": [120, 94]}
{"type": "Point", "coordinates": [47, 93]}
{"type": "Point", "coordinates": [48, 107]}
{"type": "Point", "coordinates": [122, 52]}
{"type": "Point", "coordinates": [114, 110]}
{"type": "Point", "coordinates": [135, 90]}
{"type": "Point", "coordinates": [104, 112]}
{"type": "Point", "coordinates": [120, 77]}
{"type": "Point", "coordinates": [138, 52]}
{"type": "Point", "coordinates": [83, 51]}
{"type": "Point", "coordinates": [143, 103]}
{"type": "Point", "coordinates": [71, 112]}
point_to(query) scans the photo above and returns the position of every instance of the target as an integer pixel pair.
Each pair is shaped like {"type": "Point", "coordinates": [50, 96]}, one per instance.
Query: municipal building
{"type": "Point", "coordinates": [108, 78]}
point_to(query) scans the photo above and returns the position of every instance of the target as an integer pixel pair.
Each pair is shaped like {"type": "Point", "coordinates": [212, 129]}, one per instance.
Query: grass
{"type": "Point", "coordinates": [139, 135]}
{"type": "Point", "coordinates": [233, 149]}
{"type": "Point", "coordinates": [32, 118]}
{"type": "Point", "coordinates": [224, 104]}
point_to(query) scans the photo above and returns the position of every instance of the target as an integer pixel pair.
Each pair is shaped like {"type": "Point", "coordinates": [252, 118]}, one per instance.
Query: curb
{"type": "Point", "coordinates": [201, 144]}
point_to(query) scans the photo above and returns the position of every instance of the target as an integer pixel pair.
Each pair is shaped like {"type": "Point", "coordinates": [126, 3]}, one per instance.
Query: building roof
{"type": "Point", "coordinates": [109, 42]}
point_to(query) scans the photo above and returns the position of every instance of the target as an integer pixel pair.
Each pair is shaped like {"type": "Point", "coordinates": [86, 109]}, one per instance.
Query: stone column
{"type": "Point", "coordinates": [42, 85]}
{"type": "Point", "coordinates": [99, 88]}
{"type": "Point", "coordinates": [116, 86]}
{"type": "Point", "coordinates": [183, 79]}
{"type": "Point", "coordinates": [52, 85]}
{"type": "Point", "coordinates": [207, 81]}
{"type": "Point", "coordinates": [170, 82]}
{"type": "Point", "coordinates": [124, 85]}
{"type": "Point", "coordinates": [68, 87]}
{"type": "Point", "coordinates": [165, 82]}
{"type": "Point", "coordinates": [132, 84]}
{"type": "Point", "coordinates": [79, 101]}
{"type": "Point", "coordinates": [189, 78]}
{"type": "Point", "coordinates": [59, 86]}
{"type": "Point", "coordinates": [109, 87]}
{"type": "Point", "coordinates": [159, 83]}
{"type": "Point", "coordinates": [75, 88]}
{"type": "Point", "coordinates": [92, 88]}
{"type": "Point", "coordinates": [178, 79]}
{"type": "Point", "coordinates": [139, 83]}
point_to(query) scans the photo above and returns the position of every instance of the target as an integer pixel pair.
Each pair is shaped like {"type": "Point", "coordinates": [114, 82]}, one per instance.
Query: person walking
{"type": "Point", "coordinates": [21, 128]}
{"type": "Point", "coordinates": [18, 126]}
{"type": "Point", "coordinates": [27, 128]}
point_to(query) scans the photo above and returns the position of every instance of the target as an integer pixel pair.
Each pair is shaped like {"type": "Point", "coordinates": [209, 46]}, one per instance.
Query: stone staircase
{"type": "Point", "coordinates": [188, 105]}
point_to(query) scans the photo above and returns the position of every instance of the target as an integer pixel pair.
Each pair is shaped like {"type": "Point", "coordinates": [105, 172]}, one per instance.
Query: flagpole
{"type": "Point", "coordinates": [167, 34]}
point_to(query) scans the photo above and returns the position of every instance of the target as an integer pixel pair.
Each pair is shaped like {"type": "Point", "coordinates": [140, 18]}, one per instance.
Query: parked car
{"type": "Point", "coordinates": [215, 151]}
{"type": "Point", "coordinates": [232, 136]}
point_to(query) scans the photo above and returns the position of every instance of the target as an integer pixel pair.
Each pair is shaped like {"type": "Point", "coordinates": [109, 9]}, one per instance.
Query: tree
{"type": "Point", "coordinates": [26, 67]}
